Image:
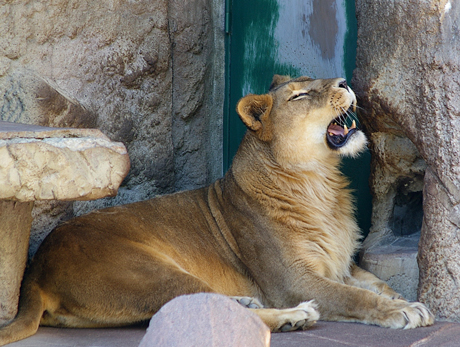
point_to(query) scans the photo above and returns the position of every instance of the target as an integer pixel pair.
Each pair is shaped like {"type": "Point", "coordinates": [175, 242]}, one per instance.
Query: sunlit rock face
{"type": "Point", "coordinates": [407, 80]}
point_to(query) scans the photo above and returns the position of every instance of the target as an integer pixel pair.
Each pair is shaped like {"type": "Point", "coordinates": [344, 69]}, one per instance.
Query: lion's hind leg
{"type": "Point", "coordinates": [125, 294]}
{"type": "Point", "coordinates": [300, 317]}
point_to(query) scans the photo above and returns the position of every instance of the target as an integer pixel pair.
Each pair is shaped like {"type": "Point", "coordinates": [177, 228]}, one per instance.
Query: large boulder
{"type": "Point", "coordinates": [205, 320]}
{"type": "Point", "coordinates": [407, 80]}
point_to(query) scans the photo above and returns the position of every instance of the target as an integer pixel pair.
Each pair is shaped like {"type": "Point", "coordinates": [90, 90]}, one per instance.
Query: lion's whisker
{"type": "Point", "coordinates": [347, 114]}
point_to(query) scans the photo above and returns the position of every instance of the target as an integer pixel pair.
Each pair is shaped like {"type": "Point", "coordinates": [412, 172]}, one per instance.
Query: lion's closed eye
{"type": "Point", "coordinates": [299, 96]}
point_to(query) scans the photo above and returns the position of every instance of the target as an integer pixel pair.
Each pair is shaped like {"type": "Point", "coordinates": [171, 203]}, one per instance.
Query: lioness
{"type": "Point", "coordinates": [276, 232]}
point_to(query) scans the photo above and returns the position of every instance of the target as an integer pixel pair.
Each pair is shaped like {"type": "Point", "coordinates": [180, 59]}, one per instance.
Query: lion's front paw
{"type": "Point", "coordinates": [300, 317]}
{"type": "Point", "coordinates": [408, 315]}
{"type": "Point", "coordinates": [395, 296]}
{"type": "Point", "coordinates": [417, 315]}
{"type": "Point", "coordinates": [385, 290]}
{"type": "Point", "coordinates": [247, 301]}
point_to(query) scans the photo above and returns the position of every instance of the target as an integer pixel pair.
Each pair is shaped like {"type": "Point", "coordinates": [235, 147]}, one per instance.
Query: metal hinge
{"type": "Point", "coordinates": [228, 17]}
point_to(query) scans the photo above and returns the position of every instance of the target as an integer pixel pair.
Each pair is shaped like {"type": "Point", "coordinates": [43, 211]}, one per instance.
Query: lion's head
{"type": "Point", "coordinates": [304, 120]}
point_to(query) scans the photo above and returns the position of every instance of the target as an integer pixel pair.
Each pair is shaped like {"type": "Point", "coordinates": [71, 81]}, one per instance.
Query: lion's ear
{"type": "Point", "coordinates": [253, 109]}
{"type": "Point", "coordinates": [278, 80]}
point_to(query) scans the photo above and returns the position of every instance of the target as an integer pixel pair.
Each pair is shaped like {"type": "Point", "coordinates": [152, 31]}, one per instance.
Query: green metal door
{"type": "Point", "coordinates": [290, 37]}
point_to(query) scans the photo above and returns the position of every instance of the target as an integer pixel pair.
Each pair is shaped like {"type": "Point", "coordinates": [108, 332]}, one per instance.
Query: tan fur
{"type": "Point", "coordinates": [275, 233]}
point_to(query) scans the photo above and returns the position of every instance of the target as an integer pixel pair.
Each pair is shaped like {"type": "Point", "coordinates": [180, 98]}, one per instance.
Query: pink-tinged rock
{"type": "Point", "coordinates": [205, 320]}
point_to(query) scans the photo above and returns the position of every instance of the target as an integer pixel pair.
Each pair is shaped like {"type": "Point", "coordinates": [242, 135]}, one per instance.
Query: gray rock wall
{"type": "Point", "coordinates": [147, 73]}
{"type": "Point", "coordinates": [407, 79]}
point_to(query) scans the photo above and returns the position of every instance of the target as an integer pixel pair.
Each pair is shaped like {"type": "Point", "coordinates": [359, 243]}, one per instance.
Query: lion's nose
{"type": "Point", "coordinates": [343, 84]}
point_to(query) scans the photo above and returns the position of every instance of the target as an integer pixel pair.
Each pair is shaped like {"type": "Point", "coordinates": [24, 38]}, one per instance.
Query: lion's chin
{"type": "Point", "coordinates": [355, 145]}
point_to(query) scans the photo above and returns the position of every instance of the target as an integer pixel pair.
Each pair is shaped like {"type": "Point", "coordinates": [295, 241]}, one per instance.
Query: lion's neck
{"type": "Point", "coordinates": [313, 204]}
{"type": "Point", "coordinates": [254, 166]}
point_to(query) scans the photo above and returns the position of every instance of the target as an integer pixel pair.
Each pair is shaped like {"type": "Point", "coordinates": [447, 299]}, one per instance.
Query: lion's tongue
{"type": "Point", "coordinates": [335, 129]}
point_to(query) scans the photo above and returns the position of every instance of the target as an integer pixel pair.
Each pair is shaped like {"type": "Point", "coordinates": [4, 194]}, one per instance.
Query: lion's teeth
{"type": "Point", "coordinates": [353, 125]}
{"type": "Point", "coordinates": [331, 134]}
{"type": "Point", "coordinates": [345, 130]}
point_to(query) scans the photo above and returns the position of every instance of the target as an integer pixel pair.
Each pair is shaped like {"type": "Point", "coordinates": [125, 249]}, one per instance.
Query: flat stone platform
{"type": "Point", "coordinates": [42, 163]}
{"type": "Point", "coordinates": [323, 334]}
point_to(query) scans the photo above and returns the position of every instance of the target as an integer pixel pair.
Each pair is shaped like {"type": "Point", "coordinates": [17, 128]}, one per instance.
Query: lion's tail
{"type": "Point", "coordinates": [30, 311]}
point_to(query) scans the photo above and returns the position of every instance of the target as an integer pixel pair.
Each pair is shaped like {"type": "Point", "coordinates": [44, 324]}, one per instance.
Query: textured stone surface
{"type": "Point", "coordinates": [397, 183]}
{"type": "Point", "coordinates": [205, 320]}
{"type": "Point", "coordinates": [28, 98]}
{"type": "Point", "coordinates": [395, 262]}
{"type": "Point", "coordinates": [197, 91]}
{"type": "Point", "coordinates": [9, 130]}
{"type": "Point", "coordinates": [407, 80]}
{"type": "Point", "coordinates": [148, 74]}
{"type": "Point", "coordinates": [15, 222]}
{"type": "Point", "coordinates": [47, 165]}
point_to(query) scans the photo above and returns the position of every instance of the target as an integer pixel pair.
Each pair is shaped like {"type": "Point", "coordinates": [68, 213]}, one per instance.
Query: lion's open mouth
{"type": "Point", "coordinates": [338, 133]}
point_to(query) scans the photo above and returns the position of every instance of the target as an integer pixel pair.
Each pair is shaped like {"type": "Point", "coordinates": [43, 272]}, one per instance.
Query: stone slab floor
{"type": "Point", "coordinates": [324, 334]}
